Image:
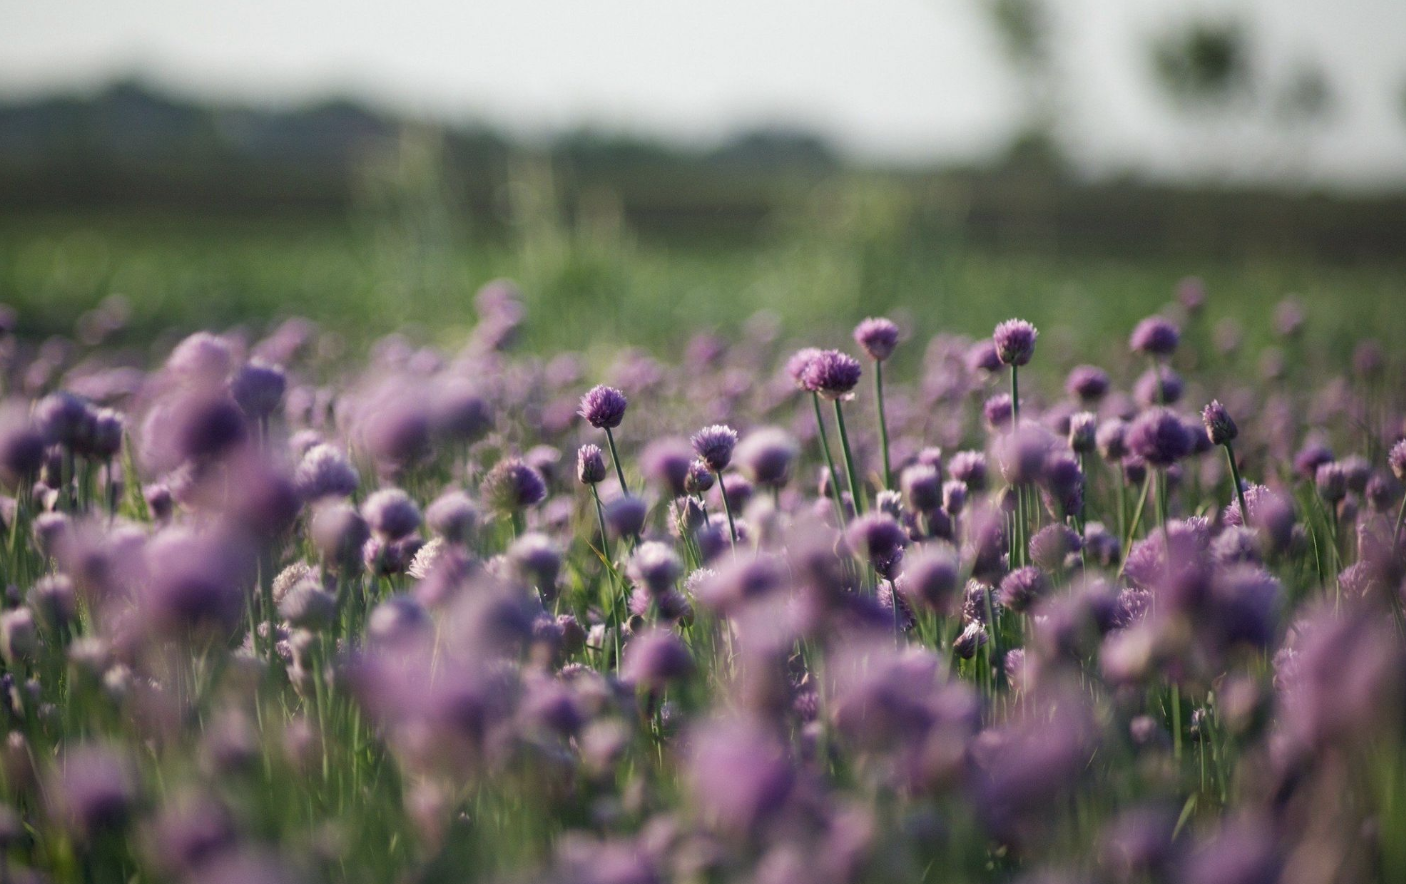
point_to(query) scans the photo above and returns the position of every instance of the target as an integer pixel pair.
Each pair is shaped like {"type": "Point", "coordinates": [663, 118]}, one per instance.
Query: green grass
{"type": "Point", "coordinates": [596, 289]}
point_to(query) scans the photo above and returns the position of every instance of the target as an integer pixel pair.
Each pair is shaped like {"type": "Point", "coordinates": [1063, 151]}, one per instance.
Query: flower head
{"type": "Point", "coordinates": [1159, 437]}
{"type": "Point", "coordinates": [1015, 341]}
{"type": "Point", "coordinates": [603, 407]}
{"type": "Point", "coordinates": [1154, 336]}
{"type": "Point", "coordinates": [1397, 459]}
{"type": "Point", "coordinates": [714, 445]}
{"type": "Point", "coordinates": [392, 513]}
{"type": "Point", "coordinates": [1220, 427]}
{"type": "Point", "coordinates": [878, 337]}
{"type": "Point", "coordinates": [832, 374]}
{"type": "Point", "coordinates": [513, 485]}
{"type": "Point", "coordinates": [590, 464]}
{"type": "Point", "coordinates": [767, 455]}
{"type": "Point", "coordinates": [1087, 383]}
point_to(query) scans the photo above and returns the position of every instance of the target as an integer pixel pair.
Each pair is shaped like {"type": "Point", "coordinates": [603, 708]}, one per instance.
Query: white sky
{"type": "Point", "coordinates": [898, 79]}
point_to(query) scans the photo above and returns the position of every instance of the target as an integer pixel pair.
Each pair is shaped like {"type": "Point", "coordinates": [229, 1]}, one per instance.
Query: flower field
{"type": "Point", "coordinates": [916, 608]}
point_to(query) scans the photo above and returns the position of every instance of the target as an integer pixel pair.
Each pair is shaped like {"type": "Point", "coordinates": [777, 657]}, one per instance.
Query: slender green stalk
{"type": "Point", "coordinates": [600, 518]}
{"type": "Point", "coordinates": [1176, 721]}
{"type": "Point", "coordinates": [854, 490]}
{"type": "Point", "coordinates": [1015, 398]}
{"type": "Point", "coordinates": [727, 508]}
{"type": "Point", "coordinates": [883, 423]}
{"type": "Point", "coordinates": [1400, 517]}
{"type": "Point", "coordinates": [1137, 517]}
{"type": "Point", "coordinates": [829, 461]}
{"type": "Point", "coordinates": [615, 457]}
{"type": "Point", "coordinates": [1239, 491]}
{"type": "Point", "coordinates": [998, 668]}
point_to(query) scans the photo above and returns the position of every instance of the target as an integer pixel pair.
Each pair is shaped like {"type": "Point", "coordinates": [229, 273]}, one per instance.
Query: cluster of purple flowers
{"type": "Point", "coordinates": [263, 626]}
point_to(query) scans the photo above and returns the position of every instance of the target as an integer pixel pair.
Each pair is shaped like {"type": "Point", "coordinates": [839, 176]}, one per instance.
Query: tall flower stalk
{"type": "Point", "coordinates": [714, 446]}
{"type": "Point", "coordinates": [604, 408]}
{"type": "Point", "coordinates": [878, 337]}
{"type": "Point", "coordinates": [1014, 340]}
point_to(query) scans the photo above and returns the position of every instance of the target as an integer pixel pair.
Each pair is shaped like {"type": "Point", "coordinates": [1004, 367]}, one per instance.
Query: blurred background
{"type": "Point", "coordinates": [645, 170]}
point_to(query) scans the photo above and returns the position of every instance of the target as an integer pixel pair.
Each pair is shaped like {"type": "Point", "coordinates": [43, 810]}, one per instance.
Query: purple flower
{"type": "Point", "coordinates": [1242, 852]}
{"type": "Point", "coordinates": [1154, 336]}
{"type": "Point", "coordinates": [1022, 454]}
{"type": "Point", "coordinates": [21, 447]}
{"type": "Point", "coordinates": [1052, 545]}
{"type": "Point", "coordinates": [1083, 432]}
{"type": "Point", "coordinates": [1022, 587]}
{"type": "Point", "coordinates": [997, 411]}
{"type": "Point", "coordinates": [1087, 383]}
{"type": "Point", "coordinates": [536, 561]}
{"type": "Point", "coordinates": [397, 431]}
{"type": "Point", "coordinates": [1158, 386]}
{"type": "Point", "coordinates": [878, 539]}
{"type": "Point", "coordinates": [698, 478]}
{"type": "Point", "coordinates": [922, 488]}
{"type": "Point", "coordinates": [1111, 439]}
{"type": "Point", "coordinates": [878, 337]}
{"type": "Point", "coordinates": [656, 566]}
{"type": "Point", "coordinates": [714, 445]}
{"type": "Point", "coordinates": [459, 411]}
{"type": "Point", "coordinates": [189, 832]}
{"type": "Point", "coordinates": [1397, 460]}
{"type": "Point", "coordinates": [325, 472]}
{"type": "Point", "coordinates": [339, 532]}
{"type": "Point", "coordinates": [95, 792]}
{"type": "Point", "coordinates": [766, 456]}
{"type": "Point", "coordinates": [61, 418]}
{"type": "Point", "coordinates": [739, 775]}
{"type": "Point", "coordinates": [512, 485]}
{"type": "Point", "coordinates": [391, 513]}
{"type": "Point", "coordinates": [832, 374]}
{"type": "Point", "coordinates": [590, 465]}
{"type": "Point", "coordinates": [969, 467]}
{"type": "Point", "coordinates": [308, 606]}
{"type": "Point", "coordinates": [1312, 456]}
{"type": "Point", "coordinates": [1015, 341]}
{"type": "Point", "coordinates": [796, 366]}
{"type": "Point", "coordinates": [625, 515]}
{"type": "Point", "coordinates": [1158, 437]}
{"type": "Point", "coordinates": [656, 658]}
{"type": "Point", "coordinates": [666, 461]}
{"type": "Point", "coordinates": [603, 407]}
{"type": "Point", "coordinates": [930, 578]}
{"type": "Point", "coordinates": [201, 358]}
{"type": "Point", "coordinates": [258, 389]}
{"type": "Point", "coordinates": [1331, 480]}
{"type": "Point", "coordinates": [981, 358]}
{"type": "Point", "coordinates": [954, 497]}
{"type": "Point", "coordinates": [1220, 427]}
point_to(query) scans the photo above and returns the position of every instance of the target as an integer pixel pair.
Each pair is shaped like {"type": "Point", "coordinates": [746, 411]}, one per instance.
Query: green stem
{"type": "Point", "coordinates": [1137, 517]}
{"type": "Point", "coordinates": [600, 517]}
{"type": "Point", "coordinates": [727, 508]}
{"type": "Point", "coordinates": [829, 462]}
{"type": "Point", "coordinates": [854, 491]}
{"type": "Point", "coordinates": [1015, 398]}
{"type": "Point", "coordinates": [615, 456]}
{"type": "Point", "coordinates": [1176, 721]}
{"type": "Point", "coordinates": [1400, 517]}
{"type": "Point", "coordinates": [883, 423]}
{"type": "Point", "coordinates": [1239, 491]}
{"type": "Point", "coordinates": [998, 668]}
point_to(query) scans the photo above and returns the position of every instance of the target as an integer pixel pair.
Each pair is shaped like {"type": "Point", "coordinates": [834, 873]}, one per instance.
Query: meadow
{"type": "Point", "coordinates": [382, 549]}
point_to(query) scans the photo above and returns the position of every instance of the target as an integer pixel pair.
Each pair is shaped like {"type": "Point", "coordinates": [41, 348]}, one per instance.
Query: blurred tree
{"type": "Point", "coordinates": [1025, 29]}
{"type": "Point", "coordinates": [1204, 64]}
